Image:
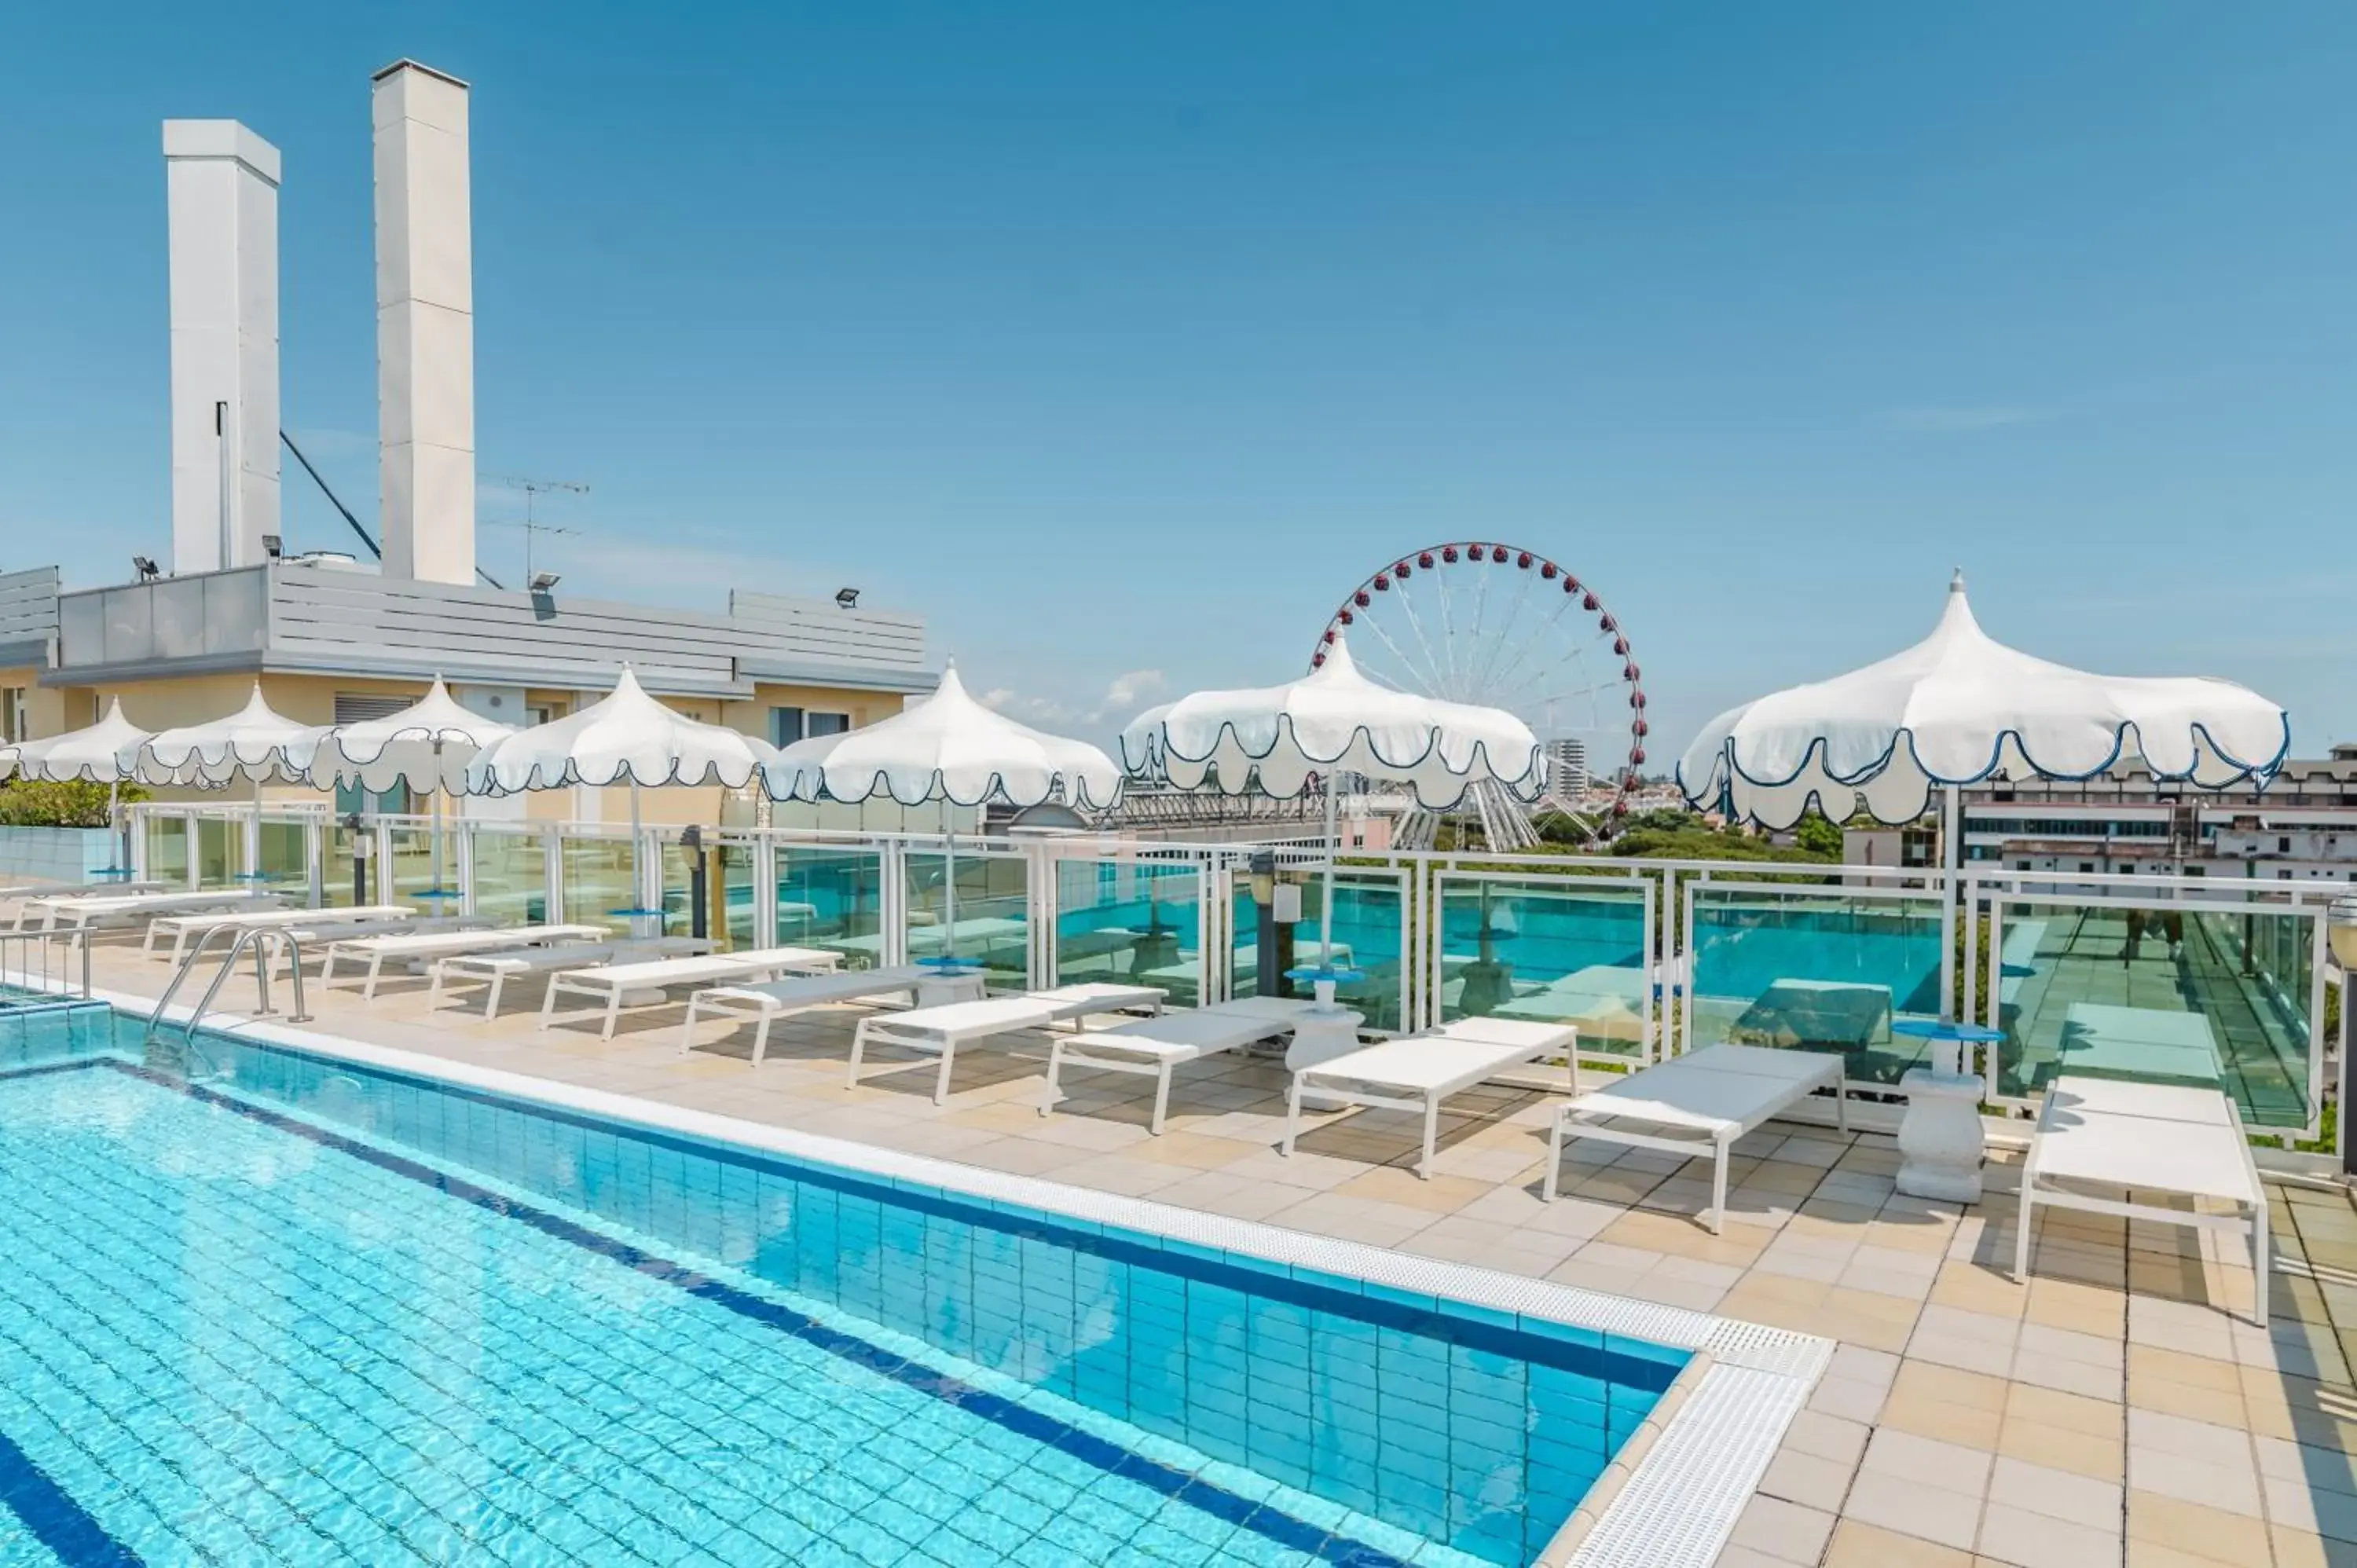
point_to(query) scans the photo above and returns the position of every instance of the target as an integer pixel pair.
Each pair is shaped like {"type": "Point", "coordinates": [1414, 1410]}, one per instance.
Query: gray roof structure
{"type": "Point", "coordinates": [303, 617]}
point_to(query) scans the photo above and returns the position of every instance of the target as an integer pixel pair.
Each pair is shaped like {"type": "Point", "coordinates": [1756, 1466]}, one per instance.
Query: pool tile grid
{"type": "Point", "coordinates": [699, 1381]}
{"type": "Point", "coordinates": [1255, 1415]}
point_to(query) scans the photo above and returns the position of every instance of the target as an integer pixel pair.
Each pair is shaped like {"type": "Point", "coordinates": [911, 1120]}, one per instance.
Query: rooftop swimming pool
{"type": "Point", "coordinates": [266, 1307]}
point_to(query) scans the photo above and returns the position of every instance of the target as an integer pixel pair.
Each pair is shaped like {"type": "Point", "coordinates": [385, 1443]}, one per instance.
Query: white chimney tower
{"type": "Point", "coordinates": [425, 325]}
{"type": "Point", "coordinates": [221, 195]}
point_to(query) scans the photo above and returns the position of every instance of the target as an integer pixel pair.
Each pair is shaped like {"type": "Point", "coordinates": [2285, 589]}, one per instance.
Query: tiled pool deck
{"type": "Point", "coordinates": [2110, 1411]}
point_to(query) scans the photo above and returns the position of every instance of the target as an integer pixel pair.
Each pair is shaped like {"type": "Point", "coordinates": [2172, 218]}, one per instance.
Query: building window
{"type": "Point", "coordinates": [785, 726]}
{"type": "Point", "coordinates": [2283, 845]}
{"type": "Point", "coordinates": [12, 714]}
{"type": "Point", "coordinates": [829, 723]}
{"type": "Point", "coordinates": [360, 707]}
{"type": "Point", "coordinates": [2086, 865]}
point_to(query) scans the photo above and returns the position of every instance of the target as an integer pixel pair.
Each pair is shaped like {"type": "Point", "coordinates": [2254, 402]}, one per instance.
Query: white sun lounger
{"type": "Point", "coordinates": [180, 927]}
{"type": "Point", "coordinates": [611, 983]}
{"type": "Point", "coordinates": [1417, 1072]}
{"type": "Point", "coordinates": [499, 965]}
{"type": "Point", "coordinates": [82, 913]}
{"type": "Point", "coordinates": [940, 1030]}
{"type": "Point", "coordinates": [1152, 1047]}
{"type": "Point", "coordinates": [415, 946]}
{"type": "Point", "coordinates": [1699, 1104]}
{"type": "Point", "coordinates": [2158, 1139]}
{"type": "Point", "coordinates": [797, 993]}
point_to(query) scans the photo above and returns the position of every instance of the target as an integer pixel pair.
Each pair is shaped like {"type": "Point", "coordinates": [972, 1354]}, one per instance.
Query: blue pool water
{"type": "Point", "coordinates": [291, 1311]}
{"type": "Point", "coordinates": [1741, 950]}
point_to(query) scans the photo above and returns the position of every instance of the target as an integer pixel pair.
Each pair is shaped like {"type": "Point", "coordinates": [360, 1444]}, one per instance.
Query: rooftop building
{"type": "Point", "coordinates": [332, 637]}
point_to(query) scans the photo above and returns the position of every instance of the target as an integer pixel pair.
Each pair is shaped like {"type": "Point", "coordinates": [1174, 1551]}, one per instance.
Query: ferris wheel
{"type": "Point", "coordinates": [1507, 628]}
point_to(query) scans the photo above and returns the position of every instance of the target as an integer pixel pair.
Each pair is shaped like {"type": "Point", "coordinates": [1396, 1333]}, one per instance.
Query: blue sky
{"type": "Point", "coordinates": [1123, 341]}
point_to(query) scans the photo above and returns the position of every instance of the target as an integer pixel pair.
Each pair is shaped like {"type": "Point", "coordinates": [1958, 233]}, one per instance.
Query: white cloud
{"type": "Point", "coordinates": [1124, 695]}
{"type": "Point", "coordinates": [1132, 686]}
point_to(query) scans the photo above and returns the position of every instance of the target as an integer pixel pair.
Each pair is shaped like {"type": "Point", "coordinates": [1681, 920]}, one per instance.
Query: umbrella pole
{"type": "Point", "coordinates": [638, 866]}
{"type": "Point", "coordinates": [254, 838]}
{"type": "Point", "coordinates": [949, 887]}
{"type": "Point", "coordinates": [1325, 904]}
{"type": "Point", "coordinates": [1951, 856]}
{"type": "Point", "coordinates": [437, 816]}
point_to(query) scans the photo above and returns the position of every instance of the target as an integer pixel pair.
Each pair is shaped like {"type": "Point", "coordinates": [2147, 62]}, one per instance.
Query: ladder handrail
{"type": "Point", "coordinates": [180, 973]}
{"type": "Point", "coordinates": [245, 936]}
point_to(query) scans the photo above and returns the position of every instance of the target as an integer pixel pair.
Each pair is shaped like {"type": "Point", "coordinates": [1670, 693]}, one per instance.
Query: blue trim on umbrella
{"type": "Point", "coordinates": [1533, 777]}
{"type": "Point", "coordinates": [2264, 772]}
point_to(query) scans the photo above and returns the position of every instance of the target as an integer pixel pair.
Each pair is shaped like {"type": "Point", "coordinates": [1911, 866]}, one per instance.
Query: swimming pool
{"type": "Point", "coordinates": [270, 1306]}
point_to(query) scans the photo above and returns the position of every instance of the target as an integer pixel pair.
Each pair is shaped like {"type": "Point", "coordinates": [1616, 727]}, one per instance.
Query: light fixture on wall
{"type": "Point", "coordinates": [273, 546]}
{"type": "Point", "coordinates": [846, 598]}
{"type": "Point", "coordinates": [543, 581]}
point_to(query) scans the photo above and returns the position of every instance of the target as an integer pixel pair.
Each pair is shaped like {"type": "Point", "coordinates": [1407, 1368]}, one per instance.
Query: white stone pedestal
{"type": "Point", "coordinates": [938, 990]}
{"type": "Point", "coordinates": [1941, 1144]}
{"type": "Point", "coordinates": [1320, 1034]}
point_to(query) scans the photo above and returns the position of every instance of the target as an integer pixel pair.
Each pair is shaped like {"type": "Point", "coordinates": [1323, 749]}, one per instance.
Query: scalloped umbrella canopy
{"type": "Point", "coordinates": [627, 737]}
{"type": "Point", "coordinates": [256, 743]}
{"type": "Point", "coordinates": [948, 746]}
{"type": "Point", "coordinates": [1954, 709]}
{"type": "Point", "coordinates": [92, 755]}
{"type": "Point", "coordinates": [425, 746]}
{"type": "Point", "coordinates": [1334, 718]}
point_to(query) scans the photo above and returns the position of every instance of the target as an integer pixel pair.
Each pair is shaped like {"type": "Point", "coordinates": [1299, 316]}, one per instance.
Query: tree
{"type": "Point", "coordinates": [1818, 837]}
{"type": "Point", "coordinates": [34, 803]}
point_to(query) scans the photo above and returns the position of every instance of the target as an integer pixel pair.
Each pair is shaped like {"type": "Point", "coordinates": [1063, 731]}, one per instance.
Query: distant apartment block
{"type": "Point", "coordinates": [2302, 827]}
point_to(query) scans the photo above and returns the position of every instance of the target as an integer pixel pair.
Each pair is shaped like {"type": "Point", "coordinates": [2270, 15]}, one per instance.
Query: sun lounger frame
{"type": "Point", "coordinates": [1489, 1046]}
{"type": "Point", "coordinates": [764, 1007]}
{"type": "Point", "coordinates": [2126, 1104]}
{"type": "Point", "coordinates": [351, 949]}
{"type": "Point", "coordinates": [1136, 1048]}
{"type": "Point", "coordinates": [610, 982]}
{"type": "Point", "coordinates": [1777, 1068]}
{"type": "Point", "coordinates": [940, 1030]}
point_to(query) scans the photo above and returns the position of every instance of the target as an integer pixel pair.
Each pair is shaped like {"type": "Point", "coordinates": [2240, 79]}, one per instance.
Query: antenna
{"type": "Point", "coordinates": [533, 490]}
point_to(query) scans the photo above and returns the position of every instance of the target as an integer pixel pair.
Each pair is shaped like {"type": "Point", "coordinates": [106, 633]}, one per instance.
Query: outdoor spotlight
{"type": "Point", "coordinates": [145, 568]}
{"type": "Point", "coordinates": [2340, 932]}
{"type": "Point", "coordinates": [846, 598]}
{"type": "Point", "coordinates": [543, 581]}
{"type": "Point", "coordinates": [690, 838]}
{"type": "Point", "coordinates": [273, 546]}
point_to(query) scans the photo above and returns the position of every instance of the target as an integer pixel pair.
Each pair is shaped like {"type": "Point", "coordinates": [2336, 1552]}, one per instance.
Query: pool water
{"type": "Point", "coordinates": [291, 1311]}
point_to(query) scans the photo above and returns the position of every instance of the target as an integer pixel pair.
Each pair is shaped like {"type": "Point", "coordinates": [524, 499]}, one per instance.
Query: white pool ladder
{"type": "Point", "coordinates": [259, 941]}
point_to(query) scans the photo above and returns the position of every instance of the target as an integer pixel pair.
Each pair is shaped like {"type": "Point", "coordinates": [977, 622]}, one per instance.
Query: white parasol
{"type": "Point", "coordinates": [947, 747]}
{"type": "Point", "coordinates": [1959, 707]}
{"type": "Point", "coordinates": [627, 737]}
{"type": "Point", "coordinates": [425, 746]}
{"type": "Point", "coordinates": [88, 755]}
{"type": "Point", "coordinates": [256, 743]}
{"type": "Point", "coordinates": [1333, 720]}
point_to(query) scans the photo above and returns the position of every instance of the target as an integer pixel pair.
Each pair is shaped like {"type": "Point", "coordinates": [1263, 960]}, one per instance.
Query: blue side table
{"type": "Point", "coordinates": [1322, 979]}
{"type": "Point", "coordinates": [1950, 1033]}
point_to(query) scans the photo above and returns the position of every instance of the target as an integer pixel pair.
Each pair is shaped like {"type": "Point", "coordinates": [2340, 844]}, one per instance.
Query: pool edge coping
{"type": "Point", "coordinates": [1704, 1446]}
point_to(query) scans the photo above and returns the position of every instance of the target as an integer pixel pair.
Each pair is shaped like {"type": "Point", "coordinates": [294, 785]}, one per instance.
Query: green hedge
{"type": "Point", "coordinates": [29, 803]}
